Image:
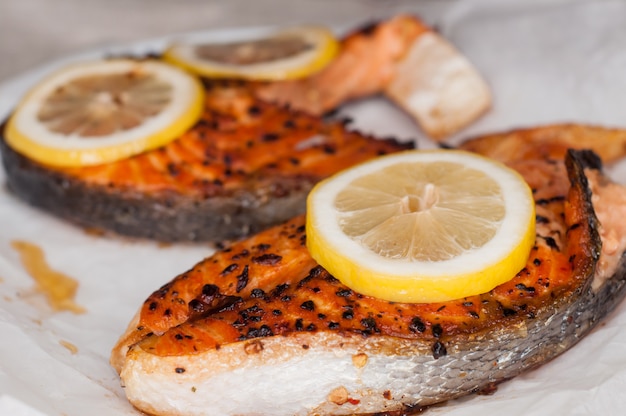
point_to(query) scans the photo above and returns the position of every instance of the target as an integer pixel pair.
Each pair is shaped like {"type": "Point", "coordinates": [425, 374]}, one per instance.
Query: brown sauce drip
{"type": "Point", "coordinates": [58, 288]}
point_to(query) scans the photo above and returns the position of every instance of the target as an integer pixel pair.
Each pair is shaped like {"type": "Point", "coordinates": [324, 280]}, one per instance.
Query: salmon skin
{"type": "Point", "coordinates": [260, 328]}
{"type": "Point", "coordinates": [246, 165]}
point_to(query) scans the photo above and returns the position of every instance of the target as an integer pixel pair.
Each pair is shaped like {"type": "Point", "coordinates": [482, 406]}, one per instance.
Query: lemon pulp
{"type": "Point", "coordinates": [422, 226]}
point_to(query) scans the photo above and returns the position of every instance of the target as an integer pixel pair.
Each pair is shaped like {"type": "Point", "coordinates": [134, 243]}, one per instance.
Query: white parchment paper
{"type": "Point", "coordinates": [548, 61]}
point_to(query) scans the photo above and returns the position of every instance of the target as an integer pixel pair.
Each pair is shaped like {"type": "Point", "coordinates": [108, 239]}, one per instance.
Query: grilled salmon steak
{"type": "Point", "coordinates": [246, 165]}
{"type": "Point", "coordinates": [260, 328]}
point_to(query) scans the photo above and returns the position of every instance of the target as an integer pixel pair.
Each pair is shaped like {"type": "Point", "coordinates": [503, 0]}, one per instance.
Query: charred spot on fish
{"type": "Point", "coordinates": [314, 272]}
{"type": "Point", "coordinates": [242, 279]}
{"type": "Point", "coordinates": [368, 29]}
{"type": "Point", "coordinates": [311, 327]}
{"type": "Point", "coordinates": [263, 331]}
{"type": "Point", "coordinates": [167, 312]}
{"type": "Point", "coordinates": [537, 262]}
{"type": "Point", "coordinates": [289, 124]}
{"type": "Point", "coordinates": [179, 370]}
{"type": "Point", "coordinates": [307, 305]}
{"type": "Point", "coordinates": [209, 292]}
{"type": "Point", "coordinates": [333, 325]}
{"type": "Point", "coordinates": [344, 293]}
{"type": "Point", "coordinates": [286, 298]}
{"type": "Point", "coordinates": [299, 324]}
{"type": "Point", "coordinates": [172, 169]}
{"type": "Point", "coordinates": [349, 314]}
{"type": "Point", "coordinates": [370, 325]}
{"type": "Point", "coordinates": [321, 316]}
{"type": "Point", "coordinates": [329, 150]}
{"type": "Point", "coordinates": [196, 306]}
{"type": "Point", "coordinates": [251, 314]}
{"type": "Point", "coordinates": [551, 242]}
{"type": "Point", "coordinates": [263, 246]}
{"type": "Point", "coordinates": [229, 269]}
{"type": "Point", "coordinates": [331, 279]}
{"type": "Point", "coordinates": [267, 259]}
{"type": "Point", "coordinates": [439, 350]}
{"type": "Point", "coordinates": [544, 201]}
{"type": "Point", "coordinates": [523, 287]}
{"type": "Point", "coordinates": [254, 110]}
{"type": "Point", "coordinates": [277, 312]}
{"type": "Point", "coordinates": [474, 315]}
{"type": "Point", "coordinates": [257, 293]}
{"type": "Point", "coordinates": [270, 137]}
{"type": "Point", "coordinates": [437, 330]}
{"type": "Point", "coordinates": [153, 306]}
{"type": "Point", "coordinates": [210, 300]}
{"type": "Point", "coordinates": [278, 290]}
{"type": "Point", "coordinates": [540, 219]}
{"type": "Point", "coordinates": [162, 292]}
{"type": "Point", "coordinates": [508, 312]}
{"type": "Point", "coordinates": [178, 337]}
{"type": "Point", "coordinates": [573, 227]}
{"type": "Point", "coordinates": [243, 254]}
{"type": "Point", "coordinates": [417, 325]}
{"type": "Point", "coordinates": [442, 307]}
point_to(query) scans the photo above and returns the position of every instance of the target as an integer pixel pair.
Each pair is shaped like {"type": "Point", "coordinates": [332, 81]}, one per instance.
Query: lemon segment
{"type": "Point", "coordinates": [287, 54]}
{"type": "Point", "coordinates": [101, 111]}
{"type": "Point", "coordinates": [422, 226]}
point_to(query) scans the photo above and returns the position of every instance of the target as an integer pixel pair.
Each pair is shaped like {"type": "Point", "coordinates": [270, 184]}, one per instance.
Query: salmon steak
{"type": "Point", "coordinates": [259, 328]}
{"type": "Point", "coordinates": [256, 151]}
{"type": "Point", "coordinates": [244, 166]}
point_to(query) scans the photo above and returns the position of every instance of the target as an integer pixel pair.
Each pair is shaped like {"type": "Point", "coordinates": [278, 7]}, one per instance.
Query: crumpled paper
{"type": "Point", "coordinates": [546, 61]}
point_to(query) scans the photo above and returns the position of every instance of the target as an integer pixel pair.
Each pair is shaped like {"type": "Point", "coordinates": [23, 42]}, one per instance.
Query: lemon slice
{"type": "Point", "coordinates": [97, 112]}
{"type": "Point", "coordinates": [422, 226]}
{"type": "Point", "coordinates": [290, 53]}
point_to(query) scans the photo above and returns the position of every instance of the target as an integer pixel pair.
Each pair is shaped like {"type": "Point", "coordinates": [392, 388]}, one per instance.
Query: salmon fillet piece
{"type": "Point", "coordinates": [246, 165]}
{"type": "Point", "coordinates": [259, 327]}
